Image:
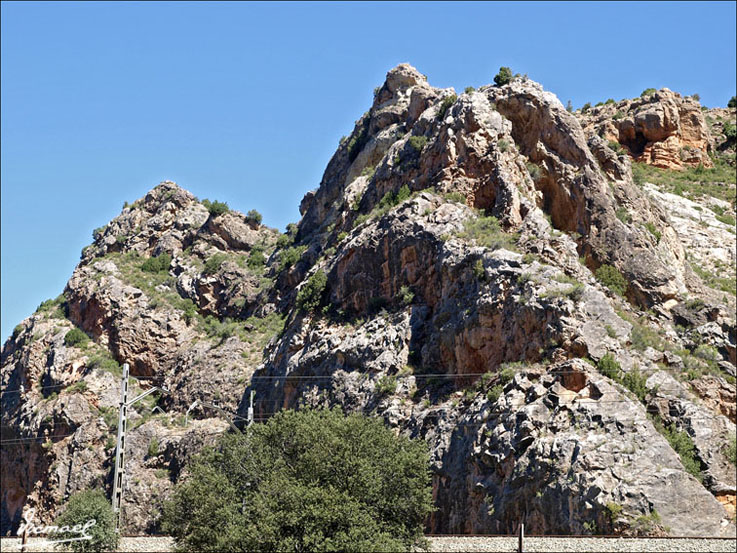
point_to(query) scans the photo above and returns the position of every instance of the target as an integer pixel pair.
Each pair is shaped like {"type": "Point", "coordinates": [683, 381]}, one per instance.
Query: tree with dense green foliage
{"type": "Point", "coordinates": [609, 367]}
{"type": "Point", "coordinates": [308, 480]}
{"type": "Point", "coordinates": [76, 337]}
{"type": "Point", "coordinates": [82, 508]}
{"type": "Point", "coordinates": [215, 207]}
{"type": "Point", "coordinates": [417, 142]}
{"type": "Point", "coordinates": [309, 296]}
{"type": "Point", "coordinates": [610, 277]}
{"type": "Point", "coordinates": [158, 264]}
{"type": "Point", "coordinates": [503, 77]}
{"type": "Point", "coordinates": [256, 258]}
{"type": "Point", "coordinates": [730, 132]}
{"type": "Point", "coordinates": [254, 218]}
{"type": "Point", "coordinates": [732, 102]}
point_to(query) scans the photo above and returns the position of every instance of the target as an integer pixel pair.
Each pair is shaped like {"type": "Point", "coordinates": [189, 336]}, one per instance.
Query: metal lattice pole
{"type": "Point", "coordinates": [117, 499]}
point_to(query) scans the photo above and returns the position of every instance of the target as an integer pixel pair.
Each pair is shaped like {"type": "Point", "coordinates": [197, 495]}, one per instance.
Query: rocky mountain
{"type": "Point", "coordinates": [546, 298]}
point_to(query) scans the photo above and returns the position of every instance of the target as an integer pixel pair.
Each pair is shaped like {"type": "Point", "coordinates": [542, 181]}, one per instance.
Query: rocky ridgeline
{"type": "Point", "coordinates": [480, 270]}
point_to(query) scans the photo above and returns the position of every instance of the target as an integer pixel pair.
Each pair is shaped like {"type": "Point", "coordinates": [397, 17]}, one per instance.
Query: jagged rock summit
{"type": "Point", "coordinates": [477, 269]}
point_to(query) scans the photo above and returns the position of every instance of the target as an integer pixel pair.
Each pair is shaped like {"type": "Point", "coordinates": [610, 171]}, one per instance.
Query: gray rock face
{"type": "Point", "coordinates": [459, 235]}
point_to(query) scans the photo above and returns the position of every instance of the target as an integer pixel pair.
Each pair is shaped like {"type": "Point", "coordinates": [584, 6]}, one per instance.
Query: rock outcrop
{"type": "Point", "coordinates": [482, 255]}
{"type": "Point", "coordinates": [662, 129]}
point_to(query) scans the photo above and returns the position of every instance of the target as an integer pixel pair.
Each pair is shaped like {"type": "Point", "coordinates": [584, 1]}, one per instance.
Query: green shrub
{"type": "Point", "coordinates": [634, 381]}
{"type": "Point", "coordinates": [506, 373]}
{"type": "Point", "coordinates": [455, 197]}
{"type": "Point", "coordinates": [356, 143]}
{"type": "Point", "coordinates": [83, 507]}
{"type": "Point", "coordinates": [256, 258]}
{"type": "Point", "coordinates": [586, 107]}
{"type": "Point", "coordinates": [616, 147]}
{"type": "Point", "coordinates": [469, 89]}
{"type": "Point", "coordinates": [306, 480]}
{"type": "Point", "coordinates": [445, 105]}
{"type": "Point", "coordinates": [158, 264]}
{"type": "Point", "coordinates": [534, 170]}
{"type": "Point", "coordinates": [707, 353]}
{"type": "Point", "coordinates": [646, 524]}
{"type": "Point", "coordinates": [402, 195]}
{"type": "Point", "coordinates": [610, 277]}
{"type": "Point", "coordinates": [213, 263]}
{"type": "Point", "coordinates": [503, 145]}
{"type": "Point", "coordinates": [190, 310]}
{"type": "Point", "coordinates": [153, 447]}
{"type": "Point", "coordinates": [503, 77]}
{"type": "Point", "coordinates": [575, 292]}
{"type": "Point", "coordinates": [254, 218]}
{"type": "Point", "coordinates": [283, 241]}
{"type": "Point", "coordinates": [76, 337]}
{"type": "Point", "coordinates": [104, 361]}
{"type": "Point", "coordinates": [493, 395]}
{"type": "Point", "coordinates": [730, 451]}
{"type": "Point", "coordinates": [648, 92]}
{"type": "Point", "coordinates": [610, 101]}
{"type": "Point", "coordinates": [652, 229]}
{"type": "Point", "coordinates": [730, 132]}
{"type": "Point", "coordinates": [732, 102]}
{"type": "Point", "coordinates": [368, 171]}
{"type": "Point", "coordinates": [290, 256]}
{"type": "Point", "coordinates": [609, 367]}
{"type": "Point", "coordinates": [486, 232]}
{"type": "Point", "coordinates": [406, 295]}
{"type": "Point", "coordinates": [215, 207]}
{"type": "Point", "coordinates": [643, 337]}
{"type": "Point", "coordinates": [478, 270]}
{"type": "Point", "coordinates": [215, 328]}
{"type": "Point", "coordinates": [617, 116]}
{"type": "Point", "coordinates": [624, 215]}
{"type": "Point", "coordinates": [98, 232]}
{"type": "Point", "coordinates": [309, 297]}
{"type": "Point", "coordinates": [417, 142]}
{"type": "Point", "coordinates": [78, 387]}
{"type": "Point", "coordinates": [386, 385]}
{"type": "Point", "coordinates": [682, 444]}
{"type": "Point", "coordinates": [52, 306]}
{"type": "Point", "coordinates": [613, 511]}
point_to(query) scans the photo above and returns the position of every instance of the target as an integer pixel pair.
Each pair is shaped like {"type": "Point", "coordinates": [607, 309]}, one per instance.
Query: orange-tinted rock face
{"type": "Point", "coordinates": [663, 129]}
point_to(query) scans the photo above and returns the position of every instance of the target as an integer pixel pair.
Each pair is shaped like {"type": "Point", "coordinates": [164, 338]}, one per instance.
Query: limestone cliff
{"type": "Point", "coordinates": [480, 270]}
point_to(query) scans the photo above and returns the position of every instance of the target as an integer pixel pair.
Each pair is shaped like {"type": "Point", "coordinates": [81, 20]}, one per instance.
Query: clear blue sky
{"type": "Point", "coordinates": [246, 102]}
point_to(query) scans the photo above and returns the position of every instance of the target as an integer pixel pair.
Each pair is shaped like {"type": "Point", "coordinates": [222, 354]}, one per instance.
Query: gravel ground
{"type": "Point", "coordinates": [592, 545]}
{"type": "Point", "coordinates": [147, 545]}
{"type": "Point", "coordinates": [471, 545]}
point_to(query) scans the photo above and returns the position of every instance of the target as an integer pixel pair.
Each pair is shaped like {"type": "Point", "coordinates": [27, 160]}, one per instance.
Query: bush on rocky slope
{"type": "Point", "coordinates": [84, 507]}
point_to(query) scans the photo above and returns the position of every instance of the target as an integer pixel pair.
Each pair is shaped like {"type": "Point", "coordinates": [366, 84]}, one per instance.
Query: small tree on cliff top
{"type": "Point", "coordinates": [503, 77]}
{"type": "Point", "coordinates": [309, 480]}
